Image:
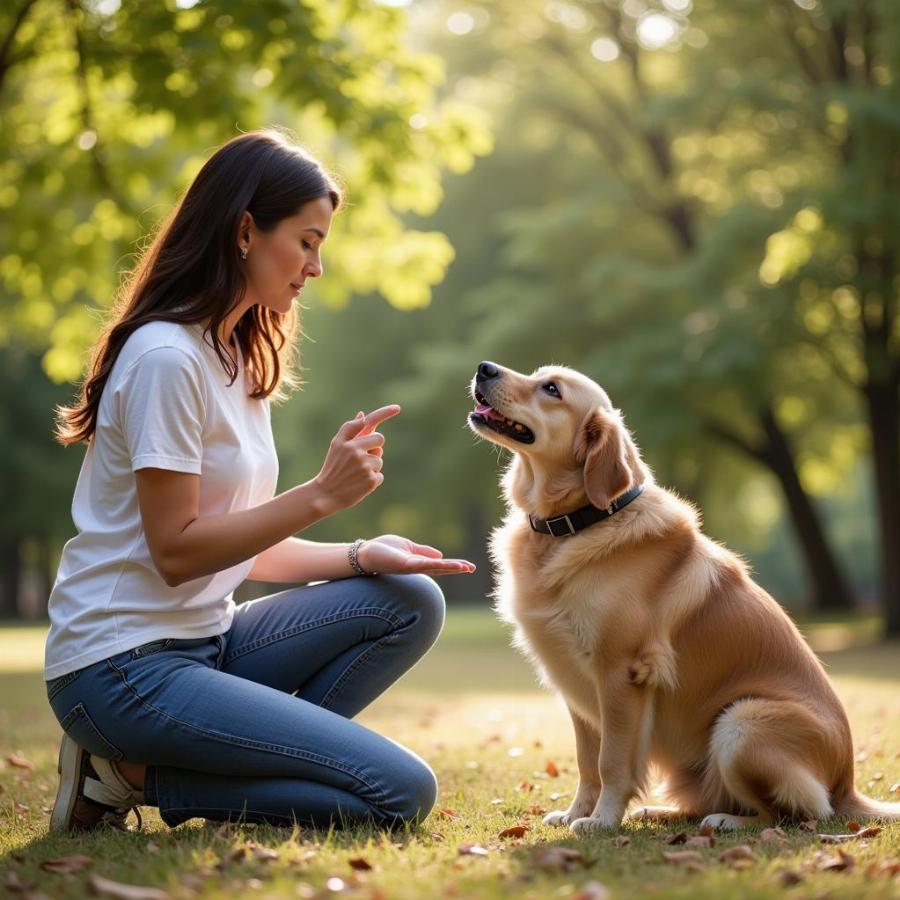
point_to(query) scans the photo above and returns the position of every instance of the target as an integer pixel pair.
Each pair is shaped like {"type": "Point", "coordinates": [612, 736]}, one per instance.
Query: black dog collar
{"type": "Point", "coordinates": [563, 526]}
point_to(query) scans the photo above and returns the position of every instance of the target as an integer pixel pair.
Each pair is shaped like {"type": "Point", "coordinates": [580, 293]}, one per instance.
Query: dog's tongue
{"type": "Point", "coordinates": [483, 408]}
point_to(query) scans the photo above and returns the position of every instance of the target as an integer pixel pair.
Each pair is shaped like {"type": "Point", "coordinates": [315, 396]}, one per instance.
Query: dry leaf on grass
{"type": "Point", "coordinates": [840, 862]}
{"type": "Point", "coordinates": [264, 853]}
{"type": "Point", "coordinates": [524, 785]}
{"type": "Point", "coordinates": [738, 855]}
{"type": "Point", "coordinates": [19, 761]}
{"type": "Point", "coordinates": [773, 836]}
{"type": "Point", "coordinates": [889, 867]}
{"type": "Point", "coordinates": [360, 864]}
{"type": "Point", "coordinates": [471, 849]}
{"type": "Point", "coordinates": [861, 834]}
{"type": "Point", "coordinates": [788, 877]}
{"type": "Point", "coordinates": [622, 840]}
{"type": "Point", "coordinates": [64, 864]}
{"type": "Point", "coordinates": [104, 887]}
{"type": "Point", "coordinates": [701, 840]}
{"type": "Point", "coordinates": [557, 859]}
{"type": "Point", "coordinates": [592, 890]}
{"type": "Point", "coordinates": [515, 831]}
{"type": "Point", "coordinates": [552, 770]}
{"type": "Point", "coordinates": [690, 859]}
{"type": "Point", "coordinates": [809, 825]}
{"type": "Point", "coordinates": [446, 812]}
{"type": "Point", "coordinates": [853, 825]}
{"type": "Point", "coordinates": [678, 838]}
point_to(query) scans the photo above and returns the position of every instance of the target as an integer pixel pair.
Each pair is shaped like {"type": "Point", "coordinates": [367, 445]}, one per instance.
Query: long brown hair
{"type": "Point", "coordinates": [191, 270]}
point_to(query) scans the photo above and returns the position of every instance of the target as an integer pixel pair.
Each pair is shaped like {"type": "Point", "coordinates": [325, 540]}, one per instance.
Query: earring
{"type": "Point", "coordinates": [243, 252]}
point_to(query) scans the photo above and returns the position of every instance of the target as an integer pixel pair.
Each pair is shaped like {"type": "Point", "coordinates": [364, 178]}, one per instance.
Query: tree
{"type": "Point", "coordinates": [675, 148]}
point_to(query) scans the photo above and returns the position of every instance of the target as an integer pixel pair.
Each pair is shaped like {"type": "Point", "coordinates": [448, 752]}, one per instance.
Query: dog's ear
{"type": "Point", "coordinates": [601, 449]}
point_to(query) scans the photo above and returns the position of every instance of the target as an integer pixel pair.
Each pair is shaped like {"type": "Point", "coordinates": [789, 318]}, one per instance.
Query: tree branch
{"type": "Point", "coordinates": [98, 161]}
{"type": "Point", "coordinates": [7, 61]}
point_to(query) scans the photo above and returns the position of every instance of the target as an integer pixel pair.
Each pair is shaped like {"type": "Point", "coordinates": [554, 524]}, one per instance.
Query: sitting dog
{"type": "Point", "coordinates": [663, 648]}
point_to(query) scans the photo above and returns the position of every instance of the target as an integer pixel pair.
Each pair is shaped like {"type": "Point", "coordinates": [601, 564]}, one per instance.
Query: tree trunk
{"type": "Point", "coordinates": [830, 591]}
{"type": "Point", "coordinates": [9, 578]}
{"type": "Point", "coordinates": [884, 421]}
{"type": "Point", "coordinates": [829, 587]}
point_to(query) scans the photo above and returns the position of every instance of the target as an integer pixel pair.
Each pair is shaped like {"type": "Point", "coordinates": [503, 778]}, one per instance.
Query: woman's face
{"type": "Point", "coordinates": [279, 261]}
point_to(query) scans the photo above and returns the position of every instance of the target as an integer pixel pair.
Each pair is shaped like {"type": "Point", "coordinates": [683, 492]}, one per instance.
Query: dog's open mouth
{"type": "Point", "coordinates": [486, 415]}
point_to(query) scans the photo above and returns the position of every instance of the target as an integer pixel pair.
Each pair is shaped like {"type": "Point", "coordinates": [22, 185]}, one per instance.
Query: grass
{"type": "Point", "coordinates": [473, 710]}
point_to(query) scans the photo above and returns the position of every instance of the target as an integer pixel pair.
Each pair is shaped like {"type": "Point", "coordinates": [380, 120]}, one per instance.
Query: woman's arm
{"type": "Point", "coordinates": [185, 545]}
{"type": "Point", "coordinates": [298, 561]}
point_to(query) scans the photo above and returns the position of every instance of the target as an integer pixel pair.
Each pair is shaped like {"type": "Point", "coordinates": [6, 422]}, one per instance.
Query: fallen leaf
{"type": "Point", "coordinates": [14, 759]}
{"type": "Point", "coordinates": [525, 785]}
{"type": "Point", "coordinates": [471, 849]}
{"type": "Point", "coordinates": [104, 887]}
{"type": "Point", "coordinates": [863, 833]}
{"type": "Point", "coordinates": [554, 859]}
{"type": "Point", "coordinates": [707, 831]}
{"type": "Point", "coordinates": [738, 853]}
{"type": "Point", "coordinates": [895, 788]}
{"type": "Point", "coordinates": [537, 810]}
{"type": "Point", "coordinates": [20, 807]}
{"type": "Point", "coordinates": [809, 825]}
{"type": "Point", "coordinates": [592, 890]}
{"type": "Point", "coordinates": [773, 836]}
{"type": "Point", "coordinates": [65, 864]}
{"type": "Point", "coordinates": [679, 838]}
{"type": "Point", "coordinates": [514, 831]}
{"type": "Point", "coordinates": [263, 853]}
{"type": "Point", "coordinates": [684, 858]}
{"type": "Point", "coordinates": [436, 836]}
{"type": "Point", "coordinates": [360, 864]}
{"type": "Point", "coordinates": [853, 826]}
{"type": "Point", "coordinates": [788, 877]}
{"type": "Point", "coordinates": [446, 812]}
{"type": "Point", "coordinates": [840, 862]}
{"type": "Point", "coordinates": [701, 840]}
{"type": "Point", "coordinates": [622, 840]}
{"type": "Point", "coordinates": [889, 867]}
{"type": "Point", "coordinates": [552, 770]}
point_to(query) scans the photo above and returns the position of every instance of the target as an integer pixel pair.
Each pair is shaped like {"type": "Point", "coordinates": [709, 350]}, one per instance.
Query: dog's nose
{"type": "Point", "coordinates": [486, 371]}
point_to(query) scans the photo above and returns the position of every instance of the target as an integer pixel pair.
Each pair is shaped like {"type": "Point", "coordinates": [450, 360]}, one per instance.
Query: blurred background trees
{"type": "Point", "coordinates": [694, 203]}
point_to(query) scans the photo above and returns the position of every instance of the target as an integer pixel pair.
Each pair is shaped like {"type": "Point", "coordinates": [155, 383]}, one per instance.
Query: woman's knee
{"type": "Point", "coordinates": [414, 795]}
{"type": "Point", "coordinates": [423, 597]}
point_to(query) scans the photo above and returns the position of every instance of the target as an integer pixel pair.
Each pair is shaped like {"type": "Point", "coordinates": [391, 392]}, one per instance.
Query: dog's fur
{"type": "Point", "coordinates": [663, 648]}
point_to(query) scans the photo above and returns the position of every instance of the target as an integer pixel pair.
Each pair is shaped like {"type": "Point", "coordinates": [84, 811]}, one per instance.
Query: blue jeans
{"type": "Point", "coordinates": [257, 723]}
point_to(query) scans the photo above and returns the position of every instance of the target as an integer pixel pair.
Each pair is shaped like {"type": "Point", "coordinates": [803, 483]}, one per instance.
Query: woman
{"type": "Point", "coordinates": [168, 694]}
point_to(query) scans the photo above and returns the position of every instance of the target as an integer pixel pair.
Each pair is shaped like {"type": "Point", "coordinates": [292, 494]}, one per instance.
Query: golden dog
{"type": "Point", "coordinates": [662, 646]}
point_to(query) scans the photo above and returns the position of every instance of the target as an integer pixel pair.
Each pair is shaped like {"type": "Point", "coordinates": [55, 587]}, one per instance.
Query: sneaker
{"type": "Point", "coordinates": [86, 800]}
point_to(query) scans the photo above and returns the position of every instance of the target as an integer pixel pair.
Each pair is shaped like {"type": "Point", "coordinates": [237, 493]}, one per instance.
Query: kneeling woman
{"type": "Point", "coordinates": [169, 695]}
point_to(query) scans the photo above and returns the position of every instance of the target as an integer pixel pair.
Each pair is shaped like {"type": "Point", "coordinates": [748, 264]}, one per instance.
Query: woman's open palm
{"type": "Point", "coordinates": [392, 554]}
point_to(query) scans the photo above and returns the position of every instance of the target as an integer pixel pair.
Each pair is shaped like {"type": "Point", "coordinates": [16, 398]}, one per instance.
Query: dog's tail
{"type": "Point", "coordinates": [856, 804]}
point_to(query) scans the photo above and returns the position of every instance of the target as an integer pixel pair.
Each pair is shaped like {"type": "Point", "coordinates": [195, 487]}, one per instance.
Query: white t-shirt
{"type": "Point", "coordinates": [166, 404]}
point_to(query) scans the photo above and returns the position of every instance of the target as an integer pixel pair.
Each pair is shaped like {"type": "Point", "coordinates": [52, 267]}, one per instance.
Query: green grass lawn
{"type": "Point", "coordinates": [472, 708]}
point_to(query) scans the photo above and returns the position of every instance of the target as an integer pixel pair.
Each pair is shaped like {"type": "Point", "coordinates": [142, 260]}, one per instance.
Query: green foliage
{"type": "Point", "coordinates": [108, 109]}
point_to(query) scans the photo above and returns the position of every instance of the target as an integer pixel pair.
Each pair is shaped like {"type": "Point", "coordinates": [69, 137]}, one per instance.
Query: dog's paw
{"type": "Point", "coordinates": [726, 822]}
{"type": "Point", "coordinates": [588, 824]}
{"type": "Point", "coordinates": [558, 817]}
{"type": "Point", "coordinates": [659, 814]}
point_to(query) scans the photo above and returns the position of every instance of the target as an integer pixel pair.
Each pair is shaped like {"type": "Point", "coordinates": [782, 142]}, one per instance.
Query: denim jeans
{"type": "Point", "coordinates": [256, 723]}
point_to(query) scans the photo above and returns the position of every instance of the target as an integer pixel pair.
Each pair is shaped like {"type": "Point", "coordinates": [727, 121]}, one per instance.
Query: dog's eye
{"type": "Point", "coordinates": [551, 388]}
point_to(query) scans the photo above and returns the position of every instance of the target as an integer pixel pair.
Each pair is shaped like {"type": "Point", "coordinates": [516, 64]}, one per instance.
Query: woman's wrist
{"type": "Point", "coordinates": [353, 557]}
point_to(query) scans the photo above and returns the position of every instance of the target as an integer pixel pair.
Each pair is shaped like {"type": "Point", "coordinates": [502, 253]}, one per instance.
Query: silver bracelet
{"type": "Point", "coordinates": [352, 552]}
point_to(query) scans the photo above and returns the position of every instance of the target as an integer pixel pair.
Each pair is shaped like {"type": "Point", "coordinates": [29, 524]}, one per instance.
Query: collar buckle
{"type": "Point", "coordinates": [570, 528]}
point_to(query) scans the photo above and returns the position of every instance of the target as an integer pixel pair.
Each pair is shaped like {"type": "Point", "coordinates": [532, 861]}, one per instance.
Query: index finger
{"type": "Point", "coordinates": [376, 417]}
